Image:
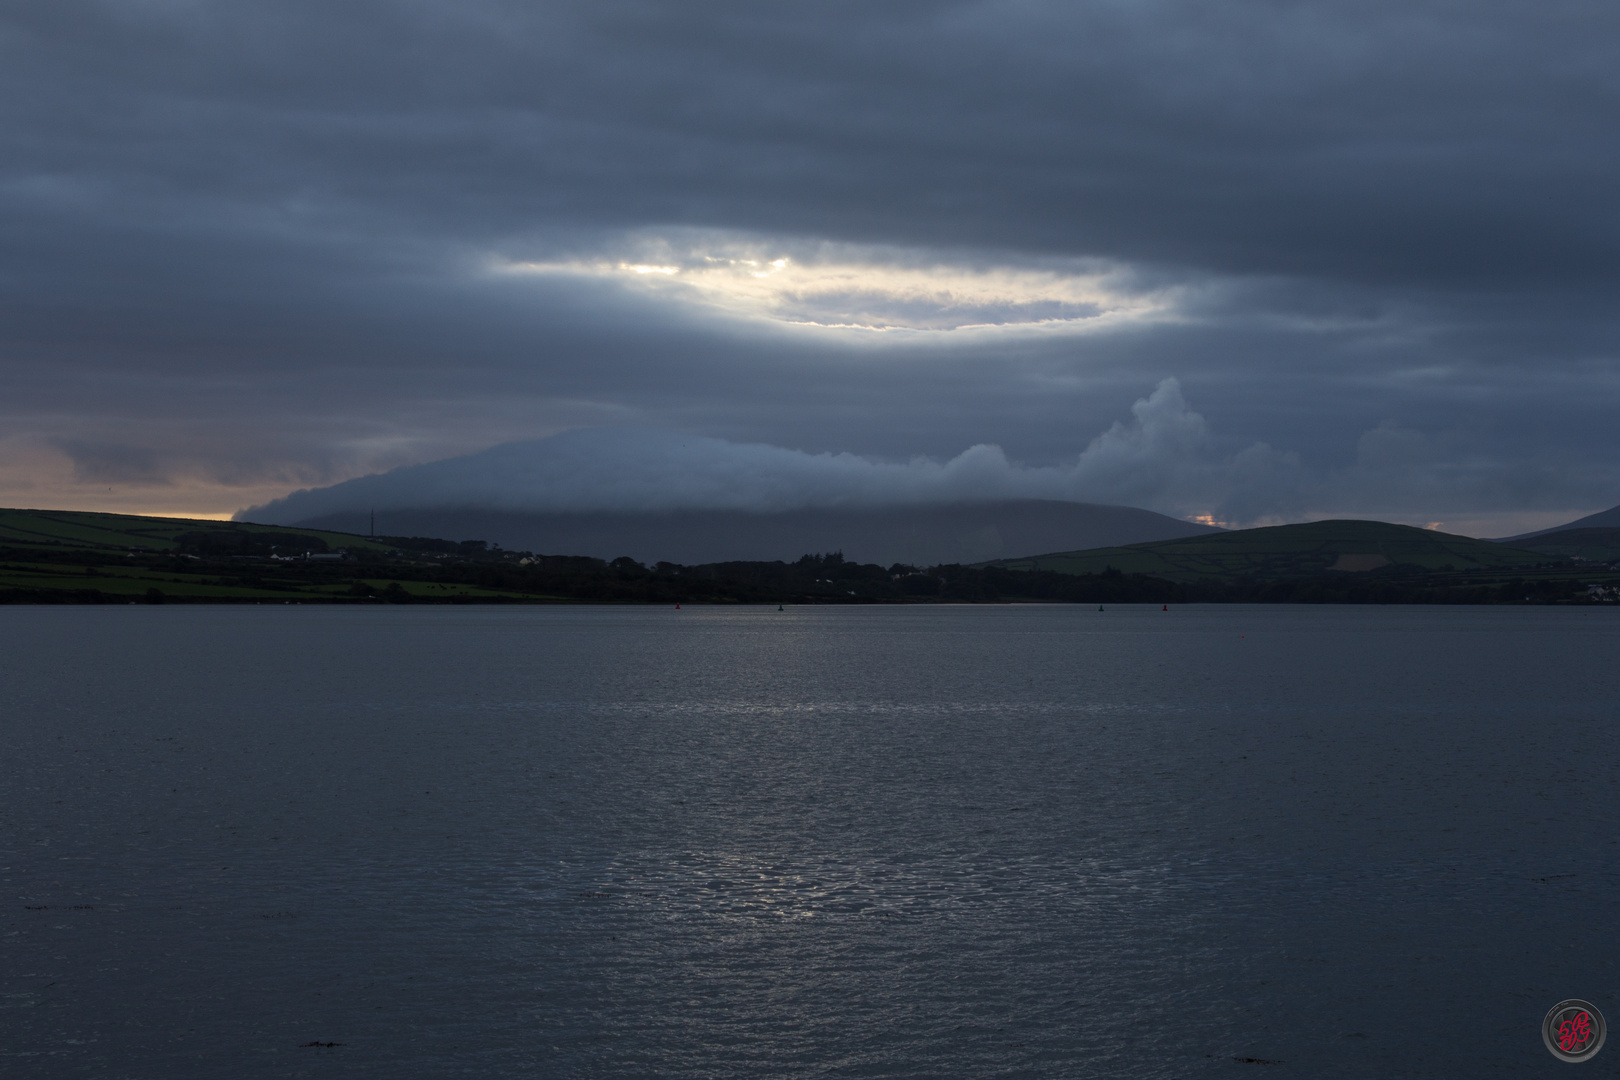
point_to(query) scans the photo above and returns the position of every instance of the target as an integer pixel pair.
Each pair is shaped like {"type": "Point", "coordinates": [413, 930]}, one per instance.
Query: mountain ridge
{"type": "Point", "coordinates": [1603, 519]}
{"type": "Point", "coordinates": [1342, 546]}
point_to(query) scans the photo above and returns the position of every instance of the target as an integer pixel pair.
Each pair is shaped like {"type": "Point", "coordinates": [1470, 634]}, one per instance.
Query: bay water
{"type": "Point", "coordinates": [1043, 841]}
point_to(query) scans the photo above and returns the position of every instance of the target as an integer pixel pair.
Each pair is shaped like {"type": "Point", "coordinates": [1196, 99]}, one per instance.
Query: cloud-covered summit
{"type": "Point", "coordinates": [633, 470]}
{"type": "Point", "coordinates": [1166, 457]}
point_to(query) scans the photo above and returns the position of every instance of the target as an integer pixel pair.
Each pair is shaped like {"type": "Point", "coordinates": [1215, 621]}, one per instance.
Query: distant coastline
{"type": "Point", "coordinates": [65, 557]}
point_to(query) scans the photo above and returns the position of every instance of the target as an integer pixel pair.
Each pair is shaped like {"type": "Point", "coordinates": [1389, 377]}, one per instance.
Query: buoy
{"type": "Point", "coordinates": [1099, 607]}
{"type": "Point", "coordinates": [1167, 607]}
{"type": "Point", "coordinates": [778, 607]}
{"type": "Point", "coordinates": [677, 607]}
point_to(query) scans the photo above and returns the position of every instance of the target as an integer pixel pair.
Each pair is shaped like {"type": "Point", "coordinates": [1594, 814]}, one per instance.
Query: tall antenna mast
{"type": "Point", "coordinates": [374, 524]}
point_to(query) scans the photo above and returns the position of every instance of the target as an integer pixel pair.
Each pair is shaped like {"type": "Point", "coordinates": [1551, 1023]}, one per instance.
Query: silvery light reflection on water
{"type": "Point", "coordinates": [984, 841]}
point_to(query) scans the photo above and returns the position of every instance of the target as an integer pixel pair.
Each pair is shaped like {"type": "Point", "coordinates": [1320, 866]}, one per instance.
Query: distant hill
{"type": "Point", "coordinates": [915, 535]}
{"type": "Point", "coordinates": [1603, 519]}
{"type": "Point", "coordinates": [1589, 545]}
{"type": "Point", "coordinates": [1282, 551]}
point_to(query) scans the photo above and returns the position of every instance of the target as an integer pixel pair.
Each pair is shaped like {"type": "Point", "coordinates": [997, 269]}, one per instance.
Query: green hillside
{"type": "Point", "coordinates": [1284, 551]}
{"type": "Point", "coordinates": [58, 529]}
{"type": "Point", "coordinates": [49, 556]}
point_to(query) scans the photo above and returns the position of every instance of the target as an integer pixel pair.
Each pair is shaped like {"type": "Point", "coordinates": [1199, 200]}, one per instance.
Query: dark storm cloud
{"type": "Point", "coordinates": [1396, 140]}
{"type": "Point", "coordinates": [252, 243]}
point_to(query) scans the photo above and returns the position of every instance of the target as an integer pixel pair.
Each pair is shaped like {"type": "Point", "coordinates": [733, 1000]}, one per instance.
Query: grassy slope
{"type": "Point", "coordinates": [54, 534]}
{"type": "Point", "coordinates": [1284, 551]}
{"type": "Point", "coordinates": [128, 532]}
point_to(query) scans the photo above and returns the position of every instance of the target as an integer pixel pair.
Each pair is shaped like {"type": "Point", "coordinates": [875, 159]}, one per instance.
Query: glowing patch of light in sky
{"type": "Point", "coordinates": [872, 290]}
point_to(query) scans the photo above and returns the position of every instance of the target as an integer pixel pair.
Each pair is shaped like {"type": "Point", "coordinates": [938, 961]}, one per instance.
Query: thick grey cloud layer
{"type": "Point", "coordinates": [255, 247]}
{"type": "Point", "coordinates": [1165, 458]}
{"type": "Point", "coordinates": [639, 469]}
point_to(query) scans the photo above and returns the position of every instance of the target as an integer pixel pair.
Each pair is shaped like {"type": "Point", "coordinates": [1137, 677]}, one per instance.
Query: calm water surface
{"type": "Point", "coordinates": [899, 842]}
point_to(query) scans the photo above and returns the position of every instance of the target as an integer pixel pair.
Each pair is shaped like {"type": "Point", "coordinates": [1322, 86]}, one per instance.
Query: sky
{"type": "Point", "coordinates": [1250, 261]}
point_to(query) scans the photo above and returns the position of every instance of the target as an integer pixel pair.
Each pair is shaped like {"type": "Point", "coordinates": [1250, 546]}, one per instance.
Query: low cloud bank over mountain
{"type": "Point", "coordinates": [1162, 457]}
{"type": "Point", "coordinates": [655, 494]}
{"type": "Point", "coordinates": [1165, 458]}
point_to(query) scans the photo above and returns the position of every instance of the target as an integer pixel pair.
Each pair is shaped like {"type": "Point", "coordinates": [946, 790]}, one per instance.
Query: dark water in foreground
{"type": "Point", "coordinates": [916, 842]}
